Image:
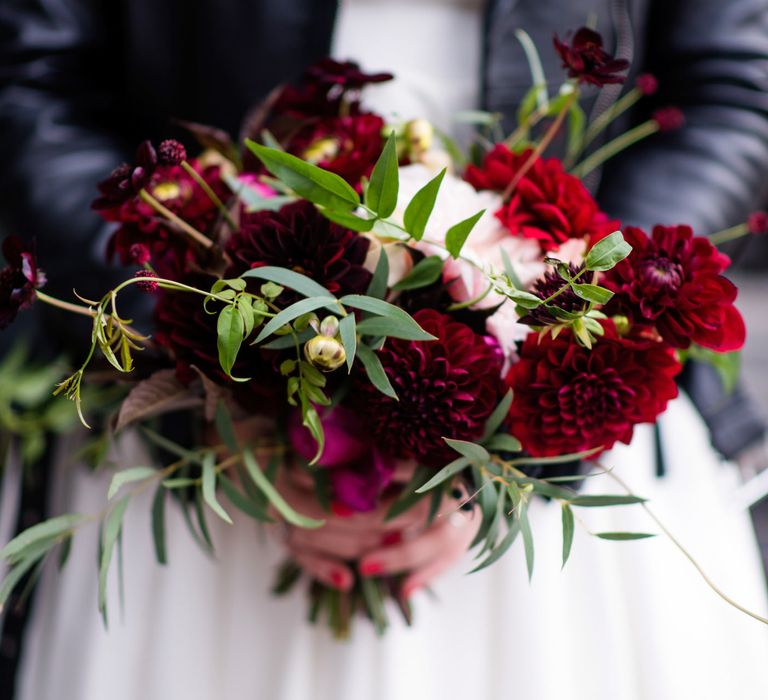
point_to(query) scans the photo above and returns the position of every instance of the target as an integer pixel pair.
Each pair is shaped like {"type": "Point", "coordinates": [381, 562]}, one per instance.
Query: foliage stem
{"type": "Point", "coordinates": [615, 110]}
{"type": "Point", "coordinates": [610, 149]}
{"type": "Point", "coordinates": [211, 194]}
{"type": "Point", "coordinates": [728, 234]}
{"type": "Point", "coordinates": [192, 232]}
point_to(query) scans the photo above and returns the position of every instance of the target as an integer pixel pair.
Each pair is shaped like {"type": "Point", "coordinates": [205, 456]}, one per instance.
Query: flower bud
{"type": "Point", "coordinates": [647, 84]}
{"type": "Point", "coordinates": [327, 354]}
{"type": "Point", "coordinates": [668, 118]}
{"type": "Point", "coordinates": [171, 152]}
{"type": "Point", "coordinates": [757, 222]}
{"type": "Point", "coordinates": [321, 150]}
{"type": "Point", "coordinates": [418, 136]}
{"type": "Point", "coordinates": [139, 253]}
{"type": "Point", "coordinates": [329, 326]}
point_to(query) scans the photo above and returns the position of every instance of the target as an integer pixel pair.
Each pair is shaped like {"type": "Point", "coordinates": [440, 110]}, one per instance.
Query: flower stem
{"type": "Point", "coordinates": [617, 108]}
{"type": "Point", "coordinates": [211, 194]}
{"type": "Point", "coordinates": [610, 149]}
{"type": "Point", "coordinates": [685, 552]}
{"type": "Point", "coordinates": [549, 135]}
{"type": "Point", "coordinates": [66, 305]}
{"type": "Point", "coordinates": [192, 232]}
{"type": "Point", "coordinates": [729, 234]}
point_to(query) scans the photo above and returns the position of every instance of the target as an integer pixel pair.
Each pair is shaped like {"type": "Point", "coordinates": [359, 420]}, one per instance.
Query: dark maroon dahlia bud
{"type": "Point", "coordinates": [171, 152]}
{"type": "Point", "coordinates": [671, 282]}
{"type": "Point", "coordinates": [587, 61]}
{"type": "Point", "coordinates": [18, 279]}
{"type": "Point", "coordinates": [446, 388]}
{"type": "Point", "coordinates": [125, 181]}
{"type": "Point", "coordinates": [300, 238]}
{"type": "Point", "coordinates": [668, 118]}
{"type": "Point", "coordinates": [647, 84]}
{"type": "Point", "coordinates": [757, 222]}
{"type": "Point", "coordinates": [146, 285]}
{"type": "Point", "coordinates": [568, 398]}
{"type": "Point", "coordinates": [566, 300]}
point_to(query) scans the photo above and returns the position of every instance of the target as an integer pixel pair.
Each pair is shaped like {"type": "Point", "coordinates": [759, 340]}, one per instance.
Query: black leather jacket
{"type": "Point", "coordinates": [83, 81]}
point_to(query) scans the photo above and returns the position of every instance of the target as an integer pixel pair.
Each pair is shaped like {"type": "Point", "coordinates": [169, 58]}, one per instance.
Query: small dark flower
{"type": "Point", "coordinates": [126, 181]}
{"type": "Point", "coordinates": [171, 152]}
{"type": "Point", "coordinates": [548, 204]}
{"type": "Point", "coordinates": [587, 61]}
{"type": "Point", "coordinates": [568, 398]}
{"type": "Point", "coordinates": [647, 84]}
{"type": "Point", "coordinates": [139, 253]}
{"type": "Point", "coordinates": [18, 279]}
{"type": "Point", "coordinates": [146, 285]}
{"type": "Point", "coordinates": [300, 238]}
{"type": "Point", "coordinates": [347, 74]}
{"type": "Point", "coordinates": [668, 118]}
{"type": "Point", "coordinates": [567, 300]}
{"type": "Point", "coordinates": [757, 222]}
{"type": "Point", "coordinates": [672, 281]}
{"type": "Point", "coordinates": [446, 388]}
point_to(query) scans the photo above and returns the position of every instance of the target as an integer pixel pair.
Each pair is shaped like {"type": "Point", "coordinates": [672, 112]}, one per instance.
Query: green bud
{"type": "Point", "coordinates": [321, 150]}
{"type": "Point", "coordinates": [329, 326]}
{"type": "Point", "coordinates": [327, 354]}
{"type": "Point", "coordinates": [418, 136]}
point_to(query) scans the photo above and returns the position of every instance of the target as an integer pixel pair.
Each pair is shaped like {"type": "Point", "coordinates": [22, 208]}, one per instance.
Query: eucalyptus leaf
{"type": "Point", "coordinates": [290, 279]}
{"type": "Point", "coordinates": [242, 501]}
{"type": "Point", "coordinates": [158, 526]}
{"type": "Point", "coordinates": [497, 552]}
{"type": "Point", "coordinates": [348, 220]}
{"type": "Point", "coordinates": [393, 328]}
{"type": "Point", "coordinates": [607, 252]}
{"type": "Point", "coordinates": [419, 209]}
{"type": "Point", "coordinates": [425, 272]}
{"type": "Point", "coordinates": [456, 236]}
{"type": "Point", "coordinates": [525, 530]}
{"type": "Point", "coordinates": [381, 195]}
{"type": "Point", "coordinates": [348, 335]}
{"type": "Point", "coordinates": [447, 472]}
{"type": "Point", "coordinates": [378, 285]}
{"type": "Point", "coordinates": [624, 535]}
{"type": "Point", "coordinates": [128, 476]}
{"type": "Point", "coordinates": [48, 529]}
{"type": "Point", "coordinates": [375, 371]}
{"type": "Point", "coordinates": [475, 453]}
{"type": "Point", "coordinates": [385, 309]}
{"type": "Point", "coordinates": [292, 312]}
{"type": "Point", "coordinates": [497, 417]}
{"type": "Point", "coordinates": [110, 533]}
{"type": "Point", "coordinates": [503, 443]}
{"type": "Point", "coordinates": [608, 500]}
{"type": "Point", "coordinates": [209, 487]}
{"type": "Point", "coordinates": [568, 530]}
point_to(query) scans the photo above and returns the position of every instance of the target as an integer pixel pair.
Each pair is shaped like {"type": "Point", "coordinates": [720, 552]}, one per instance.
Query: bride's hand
{"type": "Point", "coordinates": [404, 544]}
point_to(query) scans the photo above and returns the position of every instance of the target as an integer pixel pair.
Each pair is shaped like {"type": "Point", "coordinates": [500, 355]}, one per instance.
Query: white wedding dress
{"type": "Point", "coordinates": [623, 621]}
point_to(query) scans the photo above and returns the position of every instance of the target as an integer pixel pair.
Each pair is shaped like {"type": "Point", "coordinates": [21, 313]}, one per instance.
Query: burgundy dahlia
{"type": "Point", "coordinates": [446, 388]}
{"type": "Point", "coordinates": [672, 281]}
{"type": "Point", "coordinates": [18, 279]}
{"type": "Point", "coordinates": [547, 204]}
{"type": "Point", "coordinates": [300, 238]}
{"type": "Point", "coordinates": [568, 399]}
{"type": "Point", "coordinates": [170, 251]}
{"type": "Point", "coordinates": [125, 181]}
{"type": "Point", "coordinates": [566, 300]}
{"type": "Point", "coordinates": [587, 60]}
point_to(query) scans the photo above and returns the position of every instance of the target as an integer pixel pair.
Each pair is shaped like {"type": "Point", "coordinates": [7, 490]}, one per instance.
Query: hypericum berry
{"type": "Point", "coordinates": [146, 285]}
{"type": "Point", "coordinates": [171, 152]}
{"type": "Point", "coordinates": [327, 354]}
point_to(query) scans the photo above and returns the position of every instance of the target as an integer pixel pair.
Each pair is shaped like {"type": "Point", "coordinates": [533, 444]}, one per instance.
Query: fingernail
{"type": "Point", "coordinates": [390, 538]}
{"type": "Point", "coordinates": [371, 568]}
{"type": "Point", "coordinates": [338, 578]}
{"type": "Point", "coordinates": [341, 510]}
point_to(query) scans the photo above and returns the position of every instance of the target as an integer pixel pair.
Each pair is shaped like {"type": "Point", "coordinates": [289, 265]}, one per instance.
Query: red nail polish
{"type": "Point", "coordinates": [391, 538]}
{"type": "Point", "coordinates": [371, 568]}
{"type": "Point", "coordinates": [340, 510]}
{"type": "Point", "coordinates": [337, 578]}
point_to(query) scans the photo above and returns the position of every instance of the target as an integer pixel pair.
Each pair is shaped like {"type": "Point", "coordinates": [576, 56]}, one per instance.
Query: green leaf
{"type": "Point", "coordinates": [599, 501]}
{"type": "Point", "coordinates": [48, 529]}
{"type": "Point", "coordinates": [410, 494]}
{"type": "Point", "coordinates": [528, 104]}
{"type": "Point", "coordinates": [202, 522]}
{"type": "Point", "coordinates": [525, 530]}
{"type": "Point", "coordinates": [128, 476]}
{"type": "Point", "coordinates": [230, 329]}
{"type": "Point", "coordinates": [568, 529]}
{"type": "Point", "coordinates": [503, 443]}
{"type": "Point", "coordinates": [288, 278]}
{"type": "Point", "coordinates": [158, 525]}
{"type": "Point", "coordinates": [393, 328]}
{"type": "Point", "coordinates": [242, 502]}
{"type": "Point", "coordinates": [348, 335]}
{"type": "Point", "coordinates": [295, 310]}
{"type": "Point", "coordinates": [726, 364]}
{"type": "Point", "coordinates": [447, 472]}
{"type": "Point", "coordinates": [16, 574]}
{"type": "Point", "coordinates": [378, 286]}
{"type": "Point", "coordinates": [225, 427]}
{"type": "Point", "coordinates": [424, 273]}
{"type": "Point", "coordinates": [383, 308]}
{"type": "Point", "coordinates": [576, 122]}
{"type": "Point", "coordinates": [478, 117]}
{"type": "Point", "coordinates": [475, 453]}
{"type": "Point", "coordinates": [497, 552]}
{"type": "Point", "coordinates": [310, 182]}
{"type": "Point", "coordinates": [350, 221]}
{"type": "Point", "coordinates": [274, 496]}
{"type": "Point", "coordinates": [607, 252]}
{"type": "Point", "coordinates": [209, 487]}
{"type": "Point", "coordinates": [456, 236]}
{"type": "Point", "coordinates": [383, 187]}
{"type": "Point", "coordinates": [109, 535]}
{"type": "Point", "coordinates": [560, 459]}
{"type": "Point", "coordinates": [375, 371]}
{"type": "Point", "coordinates": [254, 200]}
{"type": "Point", "coordinates": [497, 417]}
{"type": "Point", "coordinates": [419, 209]}
{"type": "Point", "coordinates": [624, 535]}
{"type": "Point", "coordinates": [593, 293]}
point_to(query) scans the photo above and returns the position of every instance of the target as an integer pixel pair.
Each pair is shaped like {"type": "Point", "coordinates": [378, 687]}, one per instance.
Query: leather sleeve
{"type": "Point", "coordinates": [711, 59]}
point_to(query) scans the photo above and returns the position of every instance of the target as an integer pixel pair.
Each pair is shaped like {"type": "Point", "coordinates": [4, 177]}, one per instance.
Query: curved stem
{"type": "Point", "coordinates": [210, 193]}
{"type": "Point", "coordinates": [66, 305]}
{"type": "Point", "coordinates": [192, 232]}
{"type": "Point", "coordinates": [619, 107]}
{"type": "Point", "coordinates": [615, 146]}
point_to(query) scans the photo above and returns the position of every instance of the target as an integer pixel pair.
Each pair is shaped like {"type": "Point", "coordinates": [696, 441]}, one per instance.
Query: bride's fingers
{"type": "Point", "coordinates": [442, 540]}
{"type": "Point", "coordinates": [330, 571]}
{"type": "Point", "coordinates": [331, 541]}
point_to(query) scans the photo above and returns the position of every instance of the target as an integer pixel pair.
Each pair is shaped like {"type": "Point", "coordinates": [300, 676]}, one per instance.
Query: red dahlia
{"type": "Point", "coordinates": [672, 281]}
{"type": "Point", "coordinates": [568, 398]}
{"type": "Point", "coordinates": [300, 238]}
{"type": "Point", "coordinates": [446, 388]}
{"type": "Point", "coordinates": [547, 204]}
{"type": "Point", "coordinates": [170, 251]}
{"type": "Point", "coordinates": [587, 61]}
{"type": "Point", "coordinates": [18, 279]}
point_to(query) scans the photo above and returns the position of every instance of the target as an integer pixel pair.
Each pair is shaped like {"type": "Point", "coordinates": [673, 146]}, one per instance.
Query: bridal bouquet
{"type": "Point", "coordinates": [397, 322]}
